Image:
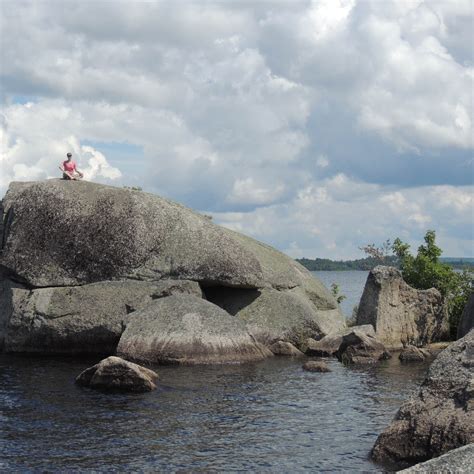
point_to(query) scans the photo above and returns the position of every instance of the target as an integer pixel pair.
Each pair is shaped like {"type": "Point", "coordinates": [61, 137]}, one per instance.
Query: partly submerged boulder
{"type": "Point", "coordinates": [401, 314]}
{"type": "Point", "coordinates": [115, 373]}
{"type": "Point", "coordinates": [440, 417]}
{"type": "Point", "coordinates": [282, 348]}
{"type": "Point", "coordinates": [184, 329]}
{"type": "Point", "coordinates": [413, 354]}
{"type": "Point", "coordinates": [84, 319]}
{"type": "Point", "coordinates": [358, 347]}
{"type": "Point", "coordinates": [466, 323]}
{"type": "Point", "coordinates": [330, 344]}
{"type": "Point", "coordinates": [316, 366]}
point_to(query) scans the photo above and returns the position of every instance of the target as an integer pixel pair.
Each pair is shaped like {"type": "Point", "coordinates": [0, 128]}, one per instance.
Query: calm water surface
{"type": "Point", "coordinates": [268, 416]}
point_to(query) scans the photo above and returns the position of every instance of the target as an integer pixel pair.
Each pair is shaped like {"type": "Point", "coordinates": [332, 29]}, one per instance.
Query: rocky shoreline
{"type": "Point", "coordinates": [92, 269]}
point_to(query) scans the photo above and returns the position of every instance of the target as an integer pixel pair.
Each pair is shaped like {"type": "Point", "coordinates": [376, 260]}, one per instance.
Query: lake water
{"type": "Point", "coordinates": [268, 416]}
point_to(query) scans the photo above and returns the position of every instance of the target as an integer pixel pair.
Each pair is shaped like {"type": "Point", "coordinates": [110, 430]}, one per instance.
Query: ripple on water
{"type": "Point", "coordinates": [266, 416]}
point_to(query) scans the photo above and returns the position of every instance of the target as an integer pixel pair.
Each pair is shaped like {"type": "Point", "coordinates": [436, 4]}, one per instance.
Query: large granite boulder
{"type": "Point", "coordinates": [440, 417]}
{"type": "Point", "coordinates": [466, 323]}
{"type": "Point", "coordinates": [84, 319]}
{"type": "Point", "coordinates": [358, 347]}
{"type": "Point", "coordinates": [330, 344]}
{"type": "Point", "coordinates": [457, 461]}
{"type": "Point", "coordinates": [59, 233]}
{"type": "Point", "coordinates": [273, 315]}
{"type": "Point", "coordinates": [115, 373]}
{"type": "Point", "coordinates": [184, 329]}
{"type": "Point", "coordinates": [400, 314]}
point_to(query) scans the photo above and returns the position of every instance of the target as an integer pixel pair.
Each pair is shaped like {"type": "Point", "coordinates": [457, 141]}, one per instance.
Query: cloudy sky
{"type": "Point", "coordinates": [315, 126]}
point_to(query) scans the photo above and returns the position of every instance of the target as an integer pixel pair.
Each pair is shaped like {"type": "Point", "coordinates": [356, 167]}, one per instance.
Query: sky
{"type": "Point", "coordinates": [315, 126]}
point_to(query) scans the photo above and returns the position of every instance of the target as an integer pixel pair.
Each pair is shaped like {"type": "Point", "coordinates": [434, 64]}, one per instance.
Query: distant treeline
{"type": "Point", "coordinates": [321, 264]}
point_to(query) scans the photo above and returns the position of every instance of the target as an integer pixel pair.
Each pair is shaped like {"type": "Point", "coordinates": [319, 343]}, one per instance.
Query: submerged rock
{"type": "Point", "coordinates": [440, 417]}
{"type": "Point", "coordinates": [401, 314]}
{"type": "Point", "coordinates": [457, 461]}
{"type": "Point", "coordinates": [187, 330]}
{"type": "Point", "coordinates": [466, 323]}
{"type": "Point", "coordinates": [283, 348]}
{"type": "Point", "coordinates": [330, 344]}
{"type": "Point", "coordinates": [84, 319]}
{"type": "Point", "coordinates": [413, 354]}
{"type": "Point", "coordinates": [316, 366]}
{"type": "Point", "coordinates": [115, 373]}
{"type": "Point", "coordinates": [358, 347]}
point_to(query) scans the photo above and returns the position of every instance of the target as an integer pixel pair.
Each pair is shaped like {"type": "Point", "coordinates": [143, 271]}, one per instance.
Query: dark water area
{"type": "Point", "coordinates": [268, 416]}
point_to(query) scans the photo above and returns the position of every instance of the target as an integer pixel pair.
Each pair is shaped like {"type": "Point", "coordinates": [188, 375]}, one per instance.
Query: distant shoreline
{"type": "Point", "coordinates": [366, 264]}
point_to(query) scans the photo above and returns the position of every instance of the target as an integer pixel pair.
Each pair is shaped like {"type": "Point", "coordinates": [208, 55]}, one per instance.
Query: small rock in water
{"type": "Point", "coordinates": [361, 348]}
{"type": "Point", "coordinates": [283, 348]}
{"type": "Point", "coordinates": [413, 354]}
{"type": "Point", "coordinates": [316, 366]}
{"type": "Point", "coordinates": [115, 373]}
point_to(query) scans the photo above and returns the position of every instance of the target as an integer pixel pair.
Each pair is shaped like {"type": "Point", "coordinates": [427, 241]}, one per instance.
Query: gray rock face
{"type": "Point", "coordinates": [115, 373]}
{"type": "Point", "coordinates": [273, 315]}
{"type": "Point", "coordinates": [283, 348]}
{"type": "Point", "coordinates": [316, 366]}
{"type": "Point", "coordinates": [400, 314]}
{"type": "Point", "coordinates": [440, 417]}
{"type": "Point", "coordinates": [56, 234]}
{"type": "Point", "coordinates": [184, 329]}
{"type": "Point", "coordinates": [79, 319]}
{"type": "Point", "coordinates": [358, 347]}
{"type": "Point", "coordinates": [457, 461]}
{"type": "Point", "coordinates": [330, 344]}
{"type": "Point", "coordinates": [467, 318]}
{"type": "Point", "coordinates": [413, 354]}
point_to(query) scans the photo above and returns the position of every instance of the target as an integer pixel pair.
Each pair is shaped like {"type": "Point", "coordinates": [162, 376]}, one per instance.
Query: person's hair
{"type": "Point", "coordinates": [68, 154]}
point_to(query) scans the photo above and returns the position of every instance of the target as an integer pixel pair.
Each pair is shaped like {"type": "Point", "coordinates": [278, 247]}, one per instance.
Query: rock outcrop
{"type": "Point", "coordinates": [440, 417]}
{"type": "Point", "coordinates": [330, 344]}
{"type": "Point", "coordinates": [55, 238]}
{"type": "Point", "coordinates": [358, 347]}
{"type": "Point", "coordinates": [115, 373]}
{"type": "Point", "coordinates": [466, 323]}
{"type": "Point", "coordinates": [187, 330]}
{"type": "Point", "coordinates": [84, 319]}
{"type": "Point", "coordinates": [457, 461]}
{"type": "Point", "coordinates": [400, 314]}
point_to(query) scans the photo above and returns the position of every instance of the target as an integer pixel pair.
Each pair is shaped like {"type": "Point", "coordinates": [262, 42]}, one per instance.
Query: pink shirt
{"type": "Point", "coordinates": [69, 166]}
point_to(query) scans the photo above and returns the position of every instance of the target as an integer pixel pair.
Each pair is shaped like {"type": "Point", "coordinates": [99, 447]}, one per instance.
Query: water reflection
{"type": "Point", "coordinates": [266, 416]}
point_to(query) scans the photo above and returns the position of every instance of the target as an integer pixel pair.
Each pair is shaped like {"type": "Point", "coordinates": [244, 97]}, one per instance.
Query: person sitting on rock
{"type": "Point", "coordinates": [69, 169]}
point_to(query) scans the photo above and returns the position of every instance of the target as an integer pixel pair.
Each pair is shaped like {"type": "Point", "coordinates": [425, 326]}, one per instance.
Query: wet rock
{"type": "Point", "coordinates": [457, 461]}
{"type": "Point", "coordinates": [413, 354]}
{"type": "Point", "coordinates": [283, 348]}
{"type": "Point", "coordinates": [330, 344]}
{"type": "Point", "coordinates": [466, 323]}
{"type": "Point", "coordinates": [84, 319]}
{"type": "Point", "coordinates": [316, 366]}
{"type": "Point", "coordinates": [115, 373]}
{"type": "Point", "coordinates": [440, 417]}
{"type": "Point", "coordinates": [400, 314]}
{"type": "Point", "coordinates": [358, 347]}
{"type": "Point", "coordinates": [184, 329]}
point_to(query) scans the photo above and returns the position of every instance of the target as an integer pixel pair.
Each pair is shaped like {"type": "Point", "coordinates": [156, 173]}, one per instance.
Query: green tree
{"type": "Point", "coordinates": [425, 271]}
{"type": "Point", "coordinates": [336, 293]}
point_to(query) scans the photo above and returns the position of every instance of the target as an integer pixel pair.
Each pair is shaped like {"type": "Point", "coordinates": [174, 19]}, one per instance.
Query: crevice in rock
{"type": "Point", "coordinates": [228, 298]}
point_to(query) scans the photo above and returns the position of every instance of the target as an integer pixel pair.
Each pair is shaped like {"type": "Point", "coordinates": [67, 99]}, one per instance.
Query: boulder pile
{"type": "Point", "coordinates": [87, 268]}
